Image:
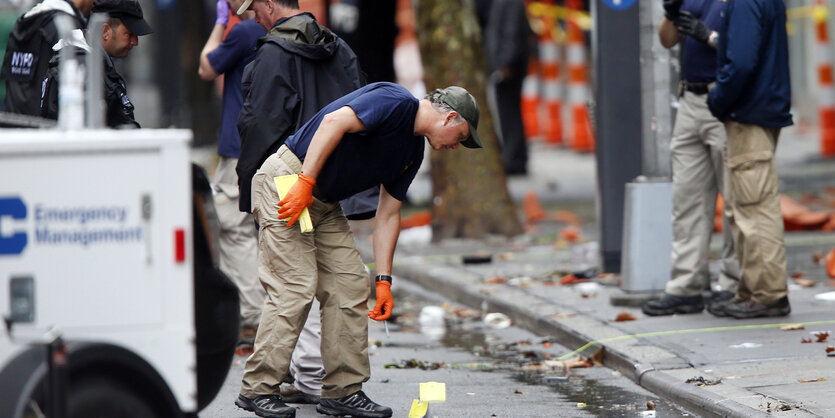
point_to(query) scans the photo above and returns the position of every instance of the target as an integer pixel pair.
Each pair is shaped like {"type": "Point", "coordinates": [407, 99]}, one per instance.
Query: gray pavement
{"type": "Point", "coordinates": [761, 367]}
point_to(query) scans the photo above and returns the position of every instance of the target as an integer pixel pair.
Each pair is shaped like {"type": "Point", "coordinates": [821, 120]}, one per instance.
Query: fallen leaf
{"type": "Point", "coordinates": [792, 327]}
{"type": "Point", "coordinates": [505, 256]}
{"type": "Point", "coordinates": [650, 405]}
{"type": "Point", "coordinates": [805, 340]}
{"type": "Point", "coordinates": [547, 344]}
{"type": "Point", "coordinates": [518, 392]}
{"type": "Point", "coordinates": [566, 216]}
{"type": "Point", "coordinates": [817, 256]}
{"type": "Point", "coordinates": [572, 279]}
{"type": "Point", "coordinates": [625, 316]}
{"type": "Point", "coordinates": [597, 357]}
{"type": "Point", "coordinates": [820, 379]}
{"type": "Point", "coordinates": [805, 282]}
{"type": "Point", "coordinates": [495, 280]}
{"type": "Point", "coordinates": [571, 233]}
{"type": "Point", "coordinates": [466, 313]}
{"type": "Point", "coordinates": [821, 336]}
{"type": "Point", "coordinates": [830, 264]}
{"type": "Point", "coordinates": [563, 315]}
{"type": "Point", "coordinates": [829, 349]}
{"type": "Point", "coordinates": [798, 275]}
{"type": "Point", "coordinates": [549, 283]}
{"type": "Point", "coordinates": [578, 362]}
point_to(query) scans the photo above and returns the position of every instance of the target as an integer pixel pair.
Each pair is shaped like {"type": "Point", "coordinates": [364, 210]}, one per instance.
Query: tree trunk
{"type": "Point", "coordinates": [470, 188]}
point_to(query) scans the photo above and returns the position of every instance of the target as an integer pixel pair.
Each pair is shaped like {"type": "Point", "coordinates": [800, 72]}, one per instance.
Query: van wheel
{"type": "Point", "coordinates": [105, 398]}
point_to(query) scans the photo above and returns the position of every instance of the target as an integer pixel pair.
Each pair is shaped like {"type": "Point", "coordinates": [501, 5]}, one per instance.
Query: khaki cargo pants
{"type": "Point", "coordinates": [238, 242]}
{"type": "Point", "coordinates": [753, 206]}
{"type": "Point", "coordinates": [293, 268]}
{"type": "Point", "coordinates": [698, 172]}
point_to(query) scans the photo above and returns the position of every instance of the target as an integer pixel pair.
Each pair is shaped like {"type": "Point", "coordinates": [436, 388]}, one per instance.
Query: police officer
{"type": "Point", "coordinates": [119, 35]}
{"type": "Point", "coordinates": [29, 51]}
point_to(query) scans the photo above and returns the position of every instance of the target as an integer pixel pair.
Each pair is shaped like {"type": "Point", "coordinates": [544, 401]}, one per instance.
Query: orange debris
{"type": "Point", "coordinates": [566, 216]}
{"type": "Point", "coordinates": [421, 218]}
{"type": "Point", "coordinates": [571, 233]}
{"type": "Point", "coordinates": [830, 264]}
{"type": "Point", "coordinates": [533, 209]}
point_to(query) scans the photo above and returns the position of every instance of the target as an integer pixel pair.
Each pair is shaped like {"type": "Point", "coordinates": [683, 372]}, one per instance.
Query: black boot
{"type": "Point", "coordinates": [356, 405]}
{"type": "Point", "coordinates": [266, 406]}
{"type": "Point", "coordinates": [752, 309]}
{"type": "Point", "coordinates": [670, 304]}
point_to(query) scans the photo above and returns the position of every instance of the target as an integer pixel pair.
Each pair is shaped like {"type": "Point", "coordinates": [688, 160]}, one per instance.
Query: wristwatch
{"type": "Point", "coordinates": [713, 39]}
{"type": "Point", "coordinates": [383, 278]}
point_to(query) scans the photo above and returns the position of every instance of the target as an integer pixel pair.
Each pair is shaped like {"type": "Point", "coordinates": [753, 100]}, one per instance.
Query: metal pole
{"type": "Point", "coordinates": [616, 49]}
{"type": "Point", "coordinates": [95, 72]}
{"type": "Point", "coordinates": [70, 88]}
{"type": "Point", "coordinates": [658, 79]}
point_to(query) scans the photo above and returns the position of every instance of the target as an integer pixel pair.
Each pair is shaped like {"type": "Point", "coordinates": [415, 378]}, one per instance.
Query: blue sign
{"type": "Point", "coordinates": [16, 209]}
{"type": "Point", "coordinates": [619, 4]}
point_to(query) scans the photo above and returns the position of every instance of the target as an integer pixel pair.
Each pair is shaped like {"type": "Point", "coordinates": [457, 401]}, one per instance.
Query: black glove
{"type": "Point", "coordinates": [687, 24]}
{"type": "Point", "coordinates": [671, 9]}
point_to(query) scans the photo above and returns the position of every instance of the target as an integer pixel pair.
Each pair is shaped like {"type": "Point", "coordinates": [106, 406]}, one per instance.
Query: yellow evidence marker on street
{"type": "Point", "coordinates": [283, 185]}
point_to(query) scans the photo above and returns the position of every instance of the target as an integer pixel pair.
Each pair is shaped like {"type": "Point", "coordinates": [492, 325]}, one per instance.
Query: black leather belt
{"type": "Point", "coordinates": [696, 88]}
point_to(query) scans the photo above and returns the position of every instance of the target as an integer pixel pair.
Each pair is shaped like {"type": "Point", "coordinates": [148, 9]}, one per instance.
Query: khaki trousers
{"type": "Point", "coordinates": [698, 171]}
{"type": "Point", "coordinates": [293, 268]}
{"type": "Point", "coordinates": [753, 206]}
{"type": "Point", "coordinates": [238, 242]}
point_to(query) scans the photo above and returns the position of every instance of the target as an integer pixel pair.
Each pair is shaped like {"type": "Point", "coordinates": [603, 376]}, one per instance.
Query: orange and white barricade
{"type": "Point", "coordinates": [826, 94]}
{"type": "Point", "coordinates": [582, 137]}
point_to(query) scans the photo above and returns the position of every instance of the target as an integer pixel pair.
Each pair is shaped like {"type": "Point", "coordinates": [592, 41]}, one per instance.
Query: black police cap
{"type": "Point", "coordinates": [128, 11]}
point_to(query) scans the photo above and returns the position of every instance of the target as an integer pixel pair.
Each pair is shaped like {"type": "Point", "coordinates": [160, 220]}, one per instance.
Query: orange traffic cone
{"type": "Point", "coordinates": [578, 89]}
{"type": "Point", "coordinates": [530, 100]}
{"type": "Point", "coordinates": [826, 95]}
{"type": "Point", "coordinates": [549, 55]}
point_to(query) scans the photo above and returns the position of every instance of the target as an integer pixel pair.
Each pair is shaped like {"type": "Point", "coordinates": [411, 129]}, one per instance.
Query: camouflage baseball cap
{"type": "Point", "coordinates": [460, 100]}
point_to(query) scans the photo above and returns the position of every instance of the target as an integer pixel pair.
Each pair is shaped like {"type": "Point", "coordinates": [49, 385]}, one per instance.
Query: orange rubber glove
{"type": "Point", "coordinates": [297, 198]}
{"type": "Point", "coordinates": [385, 303]}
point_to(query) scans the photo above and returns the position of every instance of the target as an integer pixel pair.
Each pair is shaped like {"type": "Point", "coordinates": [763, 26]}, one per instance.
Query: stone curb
{"type": "Point", "coordinates": [533, 314]}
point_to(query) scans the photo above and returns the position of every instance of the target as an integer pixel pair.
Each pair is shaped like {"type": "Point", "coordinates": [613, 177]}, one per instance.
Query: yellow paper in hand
{"type": "Point", "coordinates": [283, 185]}
{"type": "Point", "coordinates": [432, 392]}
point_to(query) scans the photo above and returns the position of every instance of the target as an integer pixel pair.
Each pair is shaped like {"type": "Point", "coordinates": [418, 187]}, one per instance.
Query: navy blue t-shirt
{"type": "Point", "coordinates": [229, 59]}
{"type": "Point", "coordinates": [387, 152]}
{"type": "Point", "coordinates": [698, 59]}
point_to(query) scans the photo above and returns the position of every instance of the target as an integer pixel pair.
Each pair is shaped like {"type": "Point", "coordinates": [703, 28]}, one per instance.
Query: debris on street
{"type": "Point", "coordinates": [792, 327]}
{"type": "Point", "coordinates": [497, 320]}
{"type": "Point", "coordinates": [415, 364]}
{"type": "Point", "coordinates": [701, 381]}
{"type": "Point", "coordinates": [625, 316]}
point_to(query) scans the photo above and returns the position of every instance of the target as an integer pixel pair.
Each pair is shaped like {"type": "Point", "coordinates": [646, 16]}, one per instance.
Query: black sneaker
{"type": "Point", "coordinates": [289, 394]}
{"type": "Point", "coordinates": [718, 308]}
{"type": "Point", "coordinates": [266, 406]}
{"type": "Point", "coordinates": [670, 304]}
{"type": "Point", "coordinates": [356, 405]}
{"type": "Point", "coordinates": [753, 309]}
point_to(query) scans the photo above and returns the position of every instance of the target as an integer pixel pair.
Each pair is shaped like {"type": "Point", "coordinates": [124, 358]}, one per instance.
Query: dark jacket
{"type": "Point", "coordinates": [28, 53]}
{"type": "Point", "coordinates": [300, 66]}
{"type": "Point", "coordinates": [118, 108]}
{"type": "Point", "coordinates": [506, 36]}
{"type": "Point", "coordinates": [752, 80]}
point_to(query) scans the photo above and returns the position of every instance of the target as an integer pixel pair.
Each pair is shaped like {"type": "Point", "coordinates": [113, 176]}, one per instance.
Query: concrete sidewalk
{"type": "Point", "coordinates": [761, 367]}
